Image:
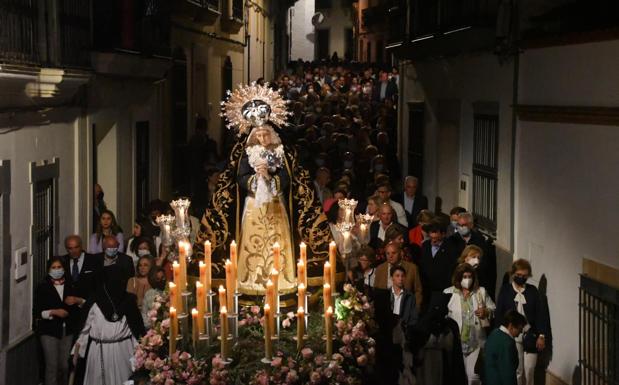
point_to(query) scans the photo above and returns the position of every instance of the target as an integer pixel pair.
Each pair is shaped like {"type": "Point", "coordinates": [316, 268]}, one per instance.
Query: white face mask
{"type": "Point", "coordinates": [473, 262]}
{"type": "Point", "coordinates": [143, 252]}
{"type": "Point", "coordinates": [466, 283]}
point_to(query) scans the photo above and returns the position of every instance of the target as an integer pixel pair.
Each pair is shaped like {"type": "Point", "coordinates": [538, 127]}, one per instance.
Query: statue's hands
{"type": "Point", "coordinates": [263, 170]}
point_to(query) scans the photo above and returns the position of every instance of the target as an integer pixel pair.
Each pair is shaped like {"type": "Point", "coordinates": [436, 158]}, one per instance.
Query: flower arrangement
{"type": "Point", "coordinates": [354, 349]}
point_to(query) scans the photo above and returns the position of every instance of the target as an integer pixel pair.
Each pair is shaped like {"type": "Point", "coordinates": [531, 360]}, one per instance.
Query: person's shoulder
{"type": "Point", "coordinates": [449, 290]}
{"type": "Point", "coordinates": [381, 267]}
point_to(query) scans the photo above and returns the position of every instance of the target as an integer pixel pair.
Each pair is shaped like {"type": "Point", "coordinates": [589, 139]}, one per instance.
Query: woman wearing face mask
{"type": "Point", "coordinates": [56, 322]}
{"type": "Point", "coordinates": [157, 282]}
{"type": "Point", "coordinates": [107, 226]}
{"type": "Point", "coordinates": [523, 297]}
{"type": "Point", "coordinates": [472, 308]}
{"type": "Point", "coordinates": [472, 255]}
{"type": "Point", "coordinates": [140, 247]}
{"type": "Point", "coordinates": [139, 285]}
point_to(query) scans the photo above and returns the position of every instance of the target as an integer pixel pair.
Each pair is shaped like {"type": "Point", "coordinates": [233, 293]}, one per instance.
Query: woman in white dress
{"type": "Point", "coordinates": [112, 326]}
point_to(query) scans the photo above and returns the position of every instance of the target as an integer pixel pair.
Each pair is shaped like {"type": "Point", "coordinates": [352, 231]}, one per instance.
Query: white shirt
{"type": "Point", "coordinates": [45, 313]}
{"type": "Point", "coordinates": [409, 203]}
{"type": "Point", "coordinates": [369, 277]}
{"type": "Point", "coordinates": [399, 210]}
{"type": "Point", "coordinates": [397, 301]}
{"type": "Point", "coordinates": [504, 330]}
{"type": "Point", "coordinates": [381, 231]}
{"type": "Point", "coordinates": [389, 280]}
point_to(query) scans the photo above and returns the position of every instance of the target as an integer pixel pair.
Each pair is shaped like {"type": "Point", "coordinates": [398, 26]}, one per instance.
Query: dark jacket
{"type": "Point", "coordinates": [536, 314]}
{"type": "Point", "coordinates": [487, 267]}
{"type": "Point", "coordinates": [87, 281]}
{"type": "Point", "coordinates": [500, 359]}
{"type": "Point", "coordinates": [376, 242]}
{"type": "Point", "coordinates": [383, 303]}
{"type": "Point", "coordinates": [436, 271]}
{"type": "Point", "coordinates": [46, 298]}
{"type": "Point", "coordinates": [420, 203]}
{"type": "Point", "coordinates": [125, 265]}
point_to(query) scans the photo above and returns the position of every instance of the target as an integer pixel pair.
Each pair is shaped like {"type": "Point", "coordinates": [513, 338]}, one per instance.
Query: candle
{"type": "Point", "coordinates": [270, 297]}
{"type": "Point", "coordinates": [326, 295]}
{"type": "Point", "coordinates": [175, 300]}
{"type": "Point", "coordinates": [276, 256]}
{"type": "Point", "coordinates": [363, 232]}
{"type": "Point", "coordinates": [327, 273]}
{"type": "Point", "coordinates": [202, 270]}
{"type": "Point", "coordinates": [200, 304]}
{"type": "Point", "coordinates": [223, 322]}
{"type": "Point", "coordinates": [207, 263]}
{"type": "Point", "coordinates": [195, 328]}
{"type": "Point", "coordinates": [268, 348]}
{"type": "Point", "coordinates": [332, 255]}
{"type": "Point", "coordinates": [229, 283]}
{"type": "Point", "coordinates": [173, 330]}
{"type": "Point", "coordinates": [301, 273]}
{"type": "Point", "coordinates": [348, 217]}
{"type": "Point", "coordinates": [347, 245]}
{"type": "Point", "coordinates": [233, 260]}
{"type": "Point", "coordinates": [301, 295]}
{"type": "Point", "coordinates": [222, 297]}
{"type": "Point", "coordinates": [300, 327]}
{"type": "Point", "coordinates": [303, 253]}
{"type": "Point", "coordinates": [329, 331]}
{"type": "Point", "coordinates": [182, 261]}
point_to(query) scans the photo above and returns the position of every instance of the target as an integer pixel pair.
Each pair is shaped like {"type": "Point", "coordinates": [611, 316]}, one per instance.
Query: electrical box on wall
{"type": "Point", "coordinates": [464, 191]}
{"type": "Point", "coordinates": [21, 263]}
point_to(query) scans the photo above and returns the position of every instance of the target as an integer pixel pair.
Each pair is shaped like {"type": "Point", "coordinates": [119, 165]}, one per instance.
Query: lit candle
{"type": "Point", "coordinates": [270, 297]}
{"type": "Point", "coordinates": [303, 253]}
{"type": "Point", "coordinates": [182, 261]}
{"type": "Point", "coordinates": [229, 283]}
{"type": "Point", "coordinates": [276, 256]}
{"type": "Point", "coordinates": [222, 296]}
{"type": "Point", "coordinates": [327, 273]}
{"type": "Point", "coordinates": [207, 263]}
{"type": "Point", "coordinates": [326, 295]}
{"type": "Point", "coordinates": [195, 328]}
{"type": "Point", "coordinates": [223, 322]}
{"type": "Point", "coordinates": [300, 327]}
{"type": "Point", "coordinates": [202, 270]}
{"type": "Point", "coordinates": [332, 255]}
{"type": "Point", "coordinates": [362, 232]}
{"type": "Point", "coordinates": [173, 330]}
{"type": "Point", "coordinates": [301, 295]}
{"type": "Point", "coordinates": [301, 273]}
{"type": "Point", "coordinates": [268, 348]}
{"type": "Point", "coordinates": [233, 260]}
{"type": "Point", "coordinates": [175, 300]}
{"type": "Point", "coordinates": [329, 331]}
{"type": "Point", "coordinates": [200, 302]}
{"type": "Point", "coordinates": [275, 301]}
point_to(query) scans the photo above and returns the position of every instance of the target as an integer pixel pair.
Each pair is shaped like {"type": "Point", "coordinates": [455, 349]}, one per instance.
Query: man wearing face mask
{"type": "Point", "coordinates": [466, 235]}
{"type": "Point", "coordinates": [112, 257]}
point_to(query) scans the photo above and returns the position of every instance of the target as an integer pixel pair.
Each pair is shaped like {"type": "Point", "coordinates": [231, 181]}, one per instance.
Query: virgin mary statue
{"type": "Point", "coordinates": [264, 196]}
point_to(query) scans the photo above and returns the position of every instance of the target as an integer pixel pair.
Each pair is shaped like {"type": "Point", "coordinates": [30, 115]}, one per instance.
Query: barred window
{"type": "Point", "coordinates": [485, 171]}
{"type": "Point", "coordinates": [5, 248]}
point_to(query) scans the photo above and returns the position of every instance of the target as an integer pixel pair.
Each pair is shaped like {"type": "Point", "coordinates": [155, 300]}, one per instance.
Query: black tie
{"type": "Point", "coordinates": [75, 271]}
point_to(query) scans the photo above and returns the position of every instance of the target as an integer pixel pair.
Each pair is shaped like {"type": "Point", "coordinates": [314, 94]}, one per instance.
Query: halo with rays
{"type": "Point", "coordinates": [231, 108]}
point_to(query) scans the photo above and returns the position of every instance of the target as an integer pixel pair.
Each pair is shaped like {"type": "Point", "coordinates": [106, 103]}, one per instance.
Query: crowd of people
{"type": "Point", "coordinates": [431, 275]}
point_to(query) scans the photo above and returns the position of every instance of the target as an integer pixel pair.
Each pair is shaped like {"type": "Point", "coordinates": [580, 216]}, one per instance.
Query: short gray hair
{"type": "Point", "coordinates": [467, 215]}
{"type": "Point", "coordinates": [411, 178]}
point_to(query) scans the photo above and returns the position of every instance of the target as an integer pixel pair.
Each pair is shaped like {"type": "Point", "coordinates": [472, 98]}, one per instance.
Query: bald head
{"type": "Point", "coordinates": [110, 242]}
{"type": "Point", "coordinates": [73, 245]}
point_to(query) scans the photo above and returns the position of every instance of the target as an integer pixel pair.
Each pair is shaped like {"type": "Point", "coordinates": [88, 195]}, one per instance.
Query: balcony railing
{"type": "Point", "coordinates": [237, 9]}
{"type": "Point", "coordinates": [75, 36]}
{"type": "Point", "coordinates": [19, 31]}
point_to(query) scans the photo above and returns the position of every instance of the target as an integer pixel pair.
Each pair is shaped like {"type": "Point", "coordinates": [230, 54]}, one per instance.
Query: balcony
{"type": "Point", "coordinates": [234, 16]}
{"type": "Point", "coordinates": [19, 35]}
{"type": "Point", "coordinates": [373, 17]}
{"type": "Point", "coordinates": [443, 27]}
{"type": "Point", "coordinates": [202, 11]}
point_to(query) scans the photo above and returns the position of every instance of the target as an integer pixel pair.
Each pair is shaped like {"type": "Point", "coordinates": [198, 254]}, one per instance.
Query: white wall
{"type": "Point", "coordinates": [337, 20]}
{"type": "Point", "coordinates": [567, 180]}
{"type": "Point", "coordinates": [302, 34]}
{"type": "Point", "coordinates": [441, 84]}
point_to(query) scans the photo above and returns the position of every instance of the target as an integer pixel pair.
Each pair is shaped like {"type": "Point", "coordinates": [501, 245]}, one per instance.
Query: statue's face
{"type": "Point", "coordinates": [263, 136]}
{"type": "Point", "coordinates": [256, 112]}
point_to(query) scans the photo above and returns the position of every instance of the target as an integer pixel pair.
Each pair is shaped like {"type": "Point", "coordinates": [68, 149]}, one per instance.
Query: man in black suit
{"type": "Point", "coordinates": [378, 228]}
{"type": "Point", "coordinates": [438, 260]}
{"type": "Point", "coordinates": [384, 89]}
{"type": "Point", "coordinates": [82, 270]}
{"type": "Point", "coordinates": [412, 202]}
{"type": "Point", "coordinates": [467, 235]}
{"type": "Point", "coordinates": [111, 256]}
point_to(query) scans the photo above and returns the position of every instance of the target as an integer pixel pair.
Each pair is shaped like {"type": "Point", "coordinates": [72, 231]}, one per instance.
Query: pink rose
{"type": "Point", "coordinates": [277, 362]}
{"type": "Point", "coordinates": [255, 309]}
{"type": "Point", "coordinates": [165, 323]}
{"type": "Point", "coordinates": [314, 377]}
{"type": "Point", "coordinates": [346, 338]}
{"type": "Point", "coordinates": [286, 323]}
{"type": "Point", "coordinates": [362, 360]}
{"type": "Point", "coordinates": [185, 356]}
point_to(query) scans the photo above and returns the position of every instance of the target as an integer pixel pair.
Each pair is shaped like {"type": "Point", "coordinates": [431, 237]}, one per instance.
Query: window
{"type": "Point", "coordinates": [212, 4]}
{"type": "Point", "coordinates": [237, 9]}
{"type": "Point", "coordinates": [44, 228]}
{"type": "Point", "coordinates": [5, 249]}
{"type": "Point", "coordinates": [142, 163]}
{"type": "Point", "coordinates": [322, 44]}
{"type": "Point", "coordinates": [485, 170]}
{"type": "Point", "coordinates": [349, 44]}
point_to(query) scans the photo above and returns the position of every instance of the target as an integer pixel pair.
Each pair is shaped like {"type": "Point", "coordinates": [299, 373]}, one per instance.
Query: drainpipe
{"type": "Point", "coordinates": [247, 43]}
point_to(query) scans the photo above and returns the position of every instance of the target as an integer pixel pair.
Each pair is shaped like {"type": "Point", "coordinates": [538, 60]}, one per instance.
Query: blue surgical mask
{"type": "Point", "coordinates": [463, 230]}
{"type": "Point", "coordinates": [56, 273]}
{"type": "Point", "coordinates": [111, 251]}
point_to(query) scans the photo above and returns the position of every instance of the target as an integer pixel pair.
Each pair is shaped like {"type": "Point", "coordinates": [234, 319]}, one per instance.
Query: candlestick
{"type": "Point", "coordinates": [326, 276]}
{"type": "Point", "coordinates": [270, 300]}
{"type": "Point", "coordinates": [268, 344]}
{"type": "Point", "coordinates": [195, 328]}
{"type": "Point", "coordinates": [300, 328]}
{"type": "Point", "coordinates": [329, 331]}
{"type": "Point", "coordinates": [363, 233]}
{"type": "Point", "coordinates": [223, 323]}
{"type": "Point", "coordinates": [207, 262]}
{"type": "Point", "coordinates": [276, 256]}
{"type": "Point", "coordinates": [182, 261]}
{"type": "Point", "coordinates": [222, 297]}
{"type": "Point", "coordinates": [200, 302]}
{"type": "Point", "coordinates": [173, 330]}
{"type": "Point", "coordinates": [326, 295]}
{"type": "Point", "coordinates": [301, 273]}
{"type": "Point", "coordinates": [229, 283]}
{"type": "Point", "coordinates": [301, 295]}
{"type": "Point", "coordinates": [303, 254]}
{"type": "Point", "coordinates": [332, 261]}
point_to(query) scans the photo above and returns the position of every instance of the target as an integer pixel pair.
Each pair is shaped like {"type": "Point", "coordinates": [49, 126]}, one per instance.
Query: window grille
{"type": "Point", "coordinates": [485, 171]}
